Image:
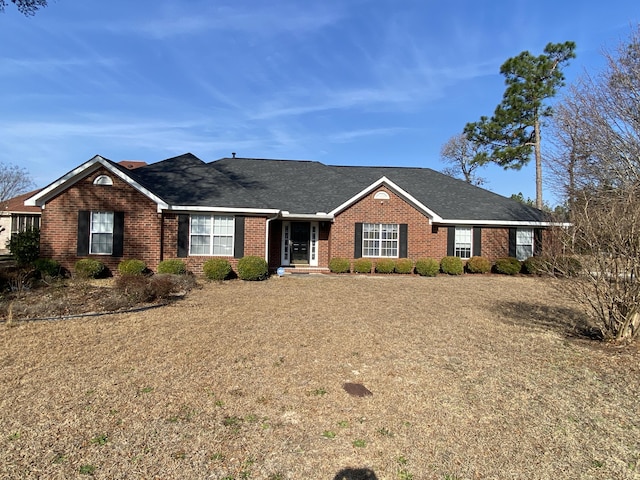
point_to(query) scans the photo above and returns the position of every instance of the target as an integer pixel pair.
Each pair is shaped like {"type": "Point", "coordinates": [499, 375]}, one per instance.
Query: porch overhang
{"type": "Point", "coordinates": [318, 216]}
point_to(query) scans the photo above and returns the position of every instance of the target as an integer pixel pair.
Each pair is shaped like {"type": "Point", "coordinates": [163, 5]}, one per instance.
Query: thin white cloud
{"type": "Point", "coordinates": [261, 20]}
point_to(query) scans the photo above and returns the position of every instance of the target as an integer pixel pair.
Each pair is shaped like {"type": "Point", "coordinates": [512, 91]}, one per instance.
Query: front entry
{"type": "Point", "coordinates": [300, 242]}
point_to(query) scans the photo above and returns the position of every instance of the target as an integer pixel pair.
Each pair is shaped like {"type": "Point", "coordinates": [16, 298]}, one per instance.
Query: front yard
{"type": "Point", "coordinates": [472, 377]}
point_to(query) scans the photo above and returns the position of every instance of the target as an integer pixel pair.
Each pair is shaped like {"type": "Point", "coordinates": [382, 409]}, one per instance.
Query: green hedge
{"type": "Point", "coordinates": [508, 265]}
{"type": "Point", "coordinates": [427, 267]}
{"type": "Point", "coordinates": [253, 268]}
{"type": "Point", "coordinates": [173, 266]}
{"type": "Point", "coordinates": [339, 265]}
{"type": "Point", "coordinates": [89, 268]}
{"type": "Point", "coordinates": [404, 265]}
{"type": "Point", "coordinates": [385, 265]}
{"type": "Point", "coordinates": [132, 267]}
{"type": "Point", "coordinates": [362, 265]}
{"type": "Point", "coordinates": [452, 265]}
{"type": "Point", "coordinates": [47, 267]}
{"type": "Point", "coordinates": [478, 265]}
{"type": "Point", "coordinates": [216, 269]}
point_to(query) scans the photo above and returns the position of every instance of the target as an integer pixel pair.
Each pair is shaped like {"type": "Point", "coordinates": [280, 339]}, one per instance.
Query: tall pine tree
{"type": "Point", "coordinates": [513, 132]}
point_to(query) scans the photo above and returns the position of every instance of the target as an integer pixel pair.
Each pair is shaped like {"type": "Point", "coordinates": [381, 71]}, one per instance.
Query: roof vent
{"type": "Point", "coordinates": [233, 154]}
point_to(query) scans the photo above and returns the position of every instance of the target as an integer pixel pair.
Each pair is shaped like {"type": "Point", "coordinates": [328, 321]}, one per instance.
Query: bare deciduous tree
{"type": "Point", "coordinates": [14, 180]}
{"type": "Point", "coordinates": [597, 166]}
{"type": "Point", "coordinates": [461, 156]}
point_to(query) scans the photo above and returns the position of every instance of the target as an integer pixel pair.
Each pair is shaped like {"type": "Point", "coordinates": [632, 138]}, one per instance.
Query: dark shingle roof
{"type": "Point", "coordinates": [308, 187]}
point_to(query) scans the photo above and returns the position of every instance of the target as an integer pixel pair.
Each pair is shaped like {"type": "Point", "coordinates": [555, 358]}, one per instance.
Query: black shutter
{"type": "Point", "coordinates": [477, 241]}
{"type": "Point", "coordinates": [537, 241]}
{"type": "Point", "coordinates": [357, 242]}
{"type": "Point", "coordinates": [183, 236]}
{"type": "Point", "coordinates": [238, 238]}
{"type": "Point", "coordinates": [402, 253]}
{"type": "Point", "coordinates": [451, 241]}
{"type": "Point", "coordinates": [83, 233]}
{"type": "Point", "coordinates": [118, 234]}
{"type": "Point", "coordinates": [512, 242]}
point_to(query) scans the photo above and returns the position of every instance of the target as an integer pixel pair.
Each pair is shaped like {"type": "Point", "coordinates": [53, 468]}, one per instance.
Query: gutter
{"type": "Point", "coordinates": [266, 236]}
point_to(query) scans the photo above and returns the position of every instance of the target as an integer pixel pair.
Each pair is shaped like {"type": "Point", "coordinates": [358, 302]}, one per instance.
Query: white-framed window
{"type": "Point", "coordinates": [380, 239]}
{"type": "Point", "coordinates": [524, 243]}
{"type": "Point", "coordinates": [463, 242]}
{"type": "Point", "coordinates": [211, 235]}
{"type": "Point", "coordinates": [101, 233]}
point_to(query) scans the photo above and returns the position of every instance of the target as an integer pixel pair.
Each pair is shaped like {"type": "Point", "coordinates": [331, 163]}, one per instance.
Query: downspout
{"type": "Point", "coordinates": [266, 236]}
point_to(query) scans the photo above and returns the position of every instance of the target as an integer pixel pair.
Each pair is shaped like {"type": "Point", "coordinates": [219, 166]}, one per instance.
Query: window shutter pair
{"type": "Point", "coordinates": [476, 234]}
{"type": "Point", "coordinates": [183, 236]}
{"type": "Point", "coordinates": [402, 241]}
{"type": "Point", "coordinates": [84, 219]}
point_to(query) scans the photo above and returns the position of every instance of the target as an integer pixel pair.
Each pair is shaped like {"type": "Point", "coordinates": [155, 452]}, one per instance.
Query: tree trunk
{"type": "Point", "coordinates": [538, 155]}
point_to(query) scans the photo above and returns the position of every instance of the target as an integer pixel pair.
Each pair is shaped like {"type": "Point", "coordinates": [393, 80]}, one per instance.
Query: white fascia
{"type": "Point", "coordinates": [250, 211]}
{"type": "Point", "coordinates": [505, 223]}
{"type": "Point", "coordinates": [308, 216]}
{"type": "Point", "coordinates": [77, 174]}
{"type": "Point", "coordinates": [433, 216]}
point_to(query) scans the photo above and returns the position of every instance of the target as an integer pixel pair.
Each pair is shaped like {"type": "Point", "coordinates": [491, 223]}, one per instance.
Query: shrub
{"type": "Point", "coordinates": [427, 267]}
{"type": "Point", "coordinates": [47, 267]}
{"type": "Point", "coordinates": [89, 268]}
{"type": "Point", "coordinates": [174, 266]}
{"type": "Point", "coordinates": [478, 265]}
{"type": "Point", "coordinates": [536, 266]}
{"type": "Point", "coordinates": [25, 246]}
{"type": "Point", "coordinates": [385, 265]}
{"type": "Point", "coordinates": [132, 267]}
{"type": "Point", "coordinates": [216, 269]}
{"type": "Point", "coordinates": [339, 265]}
{"type": "Point", "coordinates": [404, 265]}
{"type": "Point", "coordinates": [253, 268]}
{"type": "Point", "coordinates": [566, 266]}
{"type": "Point", "coordinates": [452, 265]}
{"type": "Point", "coordinates": [508, 265]}
{"type": "Point", "coordinates": [362, 265]}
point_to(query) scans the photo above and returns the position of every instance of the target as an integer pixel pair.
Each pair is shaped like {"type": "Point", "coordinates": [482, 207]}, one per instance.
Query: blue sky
{"type": "Point", "coordinates": [344, 82]}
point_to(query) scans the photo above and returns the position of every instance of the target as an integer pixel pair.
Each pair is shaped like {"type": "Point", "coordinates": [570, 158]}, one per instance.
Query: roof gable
{"type": "Point", "coordinates": [87, 168]}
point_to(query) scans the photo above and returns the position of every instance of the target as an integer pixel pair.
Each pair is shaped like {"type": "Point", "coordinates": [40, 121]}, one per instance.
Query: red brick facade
{"type": "Point", "coordinates": [152, 236]}
{"type": "Point", "coordinates": [142, 224]}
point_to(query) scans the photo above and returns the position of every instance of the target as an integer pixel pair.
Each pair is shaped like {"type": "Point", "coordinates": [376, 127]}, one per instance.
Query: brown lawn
{"type": "Point", "coordinates": [472, 377]}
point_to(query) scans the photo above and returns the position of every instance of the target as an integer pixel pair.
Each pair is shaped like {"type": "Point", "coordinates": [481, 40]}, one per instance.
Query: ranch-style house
{"type": "Point", "coordinates": [295, 214]}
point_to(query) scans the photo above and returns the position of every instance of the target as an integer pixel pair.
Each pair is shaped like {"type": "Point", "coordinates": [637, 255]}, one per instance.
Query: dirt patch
{"type": "Point", "coordinates": [472, 378]}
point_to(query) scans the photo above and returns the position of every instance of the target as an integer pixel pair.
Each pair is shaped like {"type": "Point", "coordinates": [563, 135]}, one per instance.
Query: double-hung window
{"type": "Point", "coordinates": [463, 242]}
{"type": "Point", "coordinates": [211, 235]}
{"type": "Point", "coordinates": [101, 233]}
{"type": "Point", "coordinates": [524, 243]}
{"type": "Point", "coordinates": [380, 239]}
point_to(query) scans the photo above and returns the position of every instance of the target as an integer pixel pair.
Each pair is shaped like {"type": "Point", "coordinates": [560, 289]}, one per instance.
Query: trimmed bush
{"type": "Point", "coordinates": [253, 268]}
{"type": "Point", "coordinates": [47, 267]}
{"type": "Point", "coordinates": [132, 267]}
{"type": "Point", "coordinates": [339, 265]}
{"type": "Point", "coordinates": [362, 265]}
{"type": "Point", "coordinates": [452, 266]}
{"type": "Point", "coordinates": [566, 266]}
{"type": "Point", "coordinates": [25, 246]}
{"type": "Point", "coordinates": [173, 266]}
{"type": "Point", "coordinates": [89, 268]}
{"type": "Point", "coordinates": [478, 265]}
{"type": "Point", "coordinates": [536, 266]}
{"type": "Point", "coordinates": [427, 267]}
{"type": "Point", "coordinates": [508, 265]}
{"type": "Point", "coordinates": [404, 265]}
{"type": "Point", "coordinates": [216, 269]}
{"type": "Point", "coordinates": [385, 265]}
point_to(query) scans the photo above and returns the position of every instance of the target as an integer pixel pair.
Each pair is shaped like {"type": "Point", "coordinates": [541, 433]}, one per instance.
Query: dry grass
{"type": "Point", "coordinates": [472, 377]}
